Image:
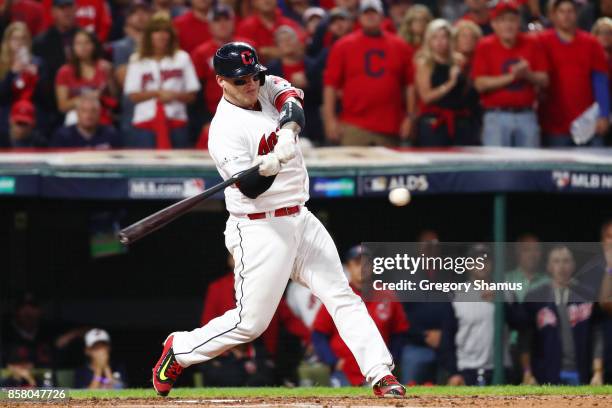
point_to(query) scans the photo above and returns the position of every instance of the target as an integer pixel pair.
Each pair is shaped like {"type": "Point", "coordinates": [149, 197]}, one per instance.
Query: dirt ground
{"type": "Point", "coordinates": [545, 401]}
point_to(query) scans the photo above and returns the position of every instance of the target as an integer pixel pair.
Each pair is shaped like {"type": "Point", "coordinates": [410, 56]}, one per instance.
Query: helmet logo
{"type": "Point", "coordinates": [247, 57]}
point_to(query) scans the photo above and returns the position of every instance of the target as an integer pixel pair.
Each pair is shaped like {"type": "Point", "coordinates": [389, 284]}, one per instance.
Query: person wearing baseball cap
{"type": "Point", "coordinates": [578, 78]}
{"type": "Point", "coordinates": [508, 68]}
{"type": "Point", "coordinates": [386, 312]}
{"type": "Point", "coordinates": [100, 371]}
{"type": "Point", "coordinates": [312, 17]}
{"type": "Point", "coordinates": [373, 91]}
{"type": "Point", "coordinates": [21, 131]}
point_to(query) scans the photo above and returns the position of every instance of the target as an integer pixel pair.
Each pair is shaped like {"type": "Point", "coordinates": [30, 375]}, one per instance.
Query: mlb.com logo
{"type": "Point", "coordinates": [561, 178]}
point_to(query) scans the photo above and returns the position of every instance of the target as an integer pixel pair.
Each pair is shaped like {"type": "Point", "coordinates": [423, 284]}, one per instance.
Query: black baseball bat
{"type": "Point", "coordinates": [155, 221]}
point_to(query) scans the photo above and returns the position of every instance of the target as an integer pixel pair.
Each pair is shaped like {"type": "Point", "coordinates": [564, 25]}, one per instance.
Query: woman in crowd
{"type": "Point", "coordinates": [85, 72]}
{"type": "Point", "coordinates": [414, 24]}
{"type": "Point", "coordinates": [161, 81]}
{"type": "Point", "coordinates": [443, 91]}
{"type": "Point", "coordinates": [19, 70]}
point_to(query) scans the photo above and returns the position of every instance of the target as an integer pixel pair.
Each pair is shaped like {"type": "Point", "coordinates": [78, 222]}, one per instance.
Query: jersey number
{"type": "Point", "coordinates": [266, 145]}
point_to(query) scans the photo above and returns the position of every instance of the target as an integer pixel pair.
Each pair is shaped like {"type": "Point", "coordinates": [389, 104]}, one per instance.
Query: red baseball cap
{"type": "Point", "coordinates": [504, 6]}
{"type": "Point", "coordinates": [23, 111]}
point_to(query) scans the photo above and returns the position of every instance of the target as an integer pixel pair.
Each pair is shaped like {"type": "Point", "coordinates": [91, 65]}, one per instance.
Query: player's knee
{"type": "Point", "coordinates": [254, 329]}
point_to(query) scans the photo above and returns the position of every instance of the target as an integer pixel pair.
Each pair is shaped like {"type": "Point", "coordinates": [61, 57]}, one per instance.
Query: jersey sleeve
{"type": "Point", "coordinates": [277, 90]}
{"type": "Point", "coordinates": [63, 75]}
{"type": "Point", "coordinates": [230, 152]}
{"type": "Point", "coordinates": [192, 84]}
{"type": "Point", "coordinates": [133, 81]}
{"type": "Point", "coordinates": [479, 65]}
{"type": "Point", "coordinates": [334, 72]}
{"type": "Point", "coordinates": [598, 57]}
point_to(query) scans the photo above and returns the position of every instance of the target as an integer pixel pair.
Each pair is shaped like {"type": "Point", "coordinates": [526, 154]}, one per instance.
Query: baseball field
{"type": "Point", "coordinates": [438, 396]}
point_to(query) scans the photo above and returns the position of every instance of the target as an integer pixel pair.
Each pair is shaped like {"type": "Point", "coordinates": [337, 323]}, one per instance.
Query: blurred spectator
{"type": "Point", "coordinates": [192, 26]}
{"type": "Point", "coordinates": [386, 313]}
{"type": "Point", "coordinates": [591, 11]}
{"type": "Point", "coordinates": [374, 91]}
{"type": "Point", "coordinates": [334, 26]}
{"type": "Point", "coordinates": [219, 296]}
{"type": "Point", "coordinates": [602, 30]}
{"type": "Point", "coordinates": [100, 371]}
{"type": "Point", "coordinates": [170, 7]}
{"type": "Point", "coordinates": [26, 330]}
{"type": "Point", "coordinates": [85, 72]}
{"type": "Point", "coordinates": [20, 369]}
{"type": "Point", "coordinates": [311, 19]}
{"type": "Point", "coordinates": [422, 343]}
{"type": "Point", "coordinates": [413, 25]}
{"type": "Point", "coordinates": [53, 47]}
{"type": "Point", "coordinates": [563, 346]}
{"type": "Point", "coordinates": [302, 302]}
{"type": "Point", "coordinates": [161, 81]}
{"type": "Point", "coordinates": [29, 12]}
{"type": "Point", "coordinates": [260, 28]}
{"type": "Point", "coordinates": [397, 11]}
{"type": "Point", "coordinates": [88, 131]}
{"type": "Point", "coordinates": [138, 15]}
{"type": "Point", "coordinates": [509, 67]}
{"type": "Point", "coordinates": [22, 128]}
{"type": "Point", "coordinates": [19, 71]}
{"type": "Point", "coordinates": [443, 90]}
{"type": "Point", "coordinates": [353, 7]}
{"type": "Point", "coordinates": [91, 15]}
{"type": "Point", "coordinates": [294, 9]}
{"type": "Point", "coordinates": [303, 73]}
{"type": "Point", "coordinates": [478, 12]}
{"type": "Point", "coordinates": [466, 35]}
{"type": "Point", "coordinates": [527, 272]}
{"type": "Point", "coordinates": [222, 27]}
{"type": "Point", "coordinates": [468, 330]}
{"type": "Point", "coordinates": [578, 79]}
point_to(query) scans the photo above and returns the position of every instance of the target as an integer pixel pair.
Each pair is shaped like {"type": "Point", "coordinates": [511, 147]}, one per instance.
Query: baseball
{"type": "Point", "coordinates": [399, 196]}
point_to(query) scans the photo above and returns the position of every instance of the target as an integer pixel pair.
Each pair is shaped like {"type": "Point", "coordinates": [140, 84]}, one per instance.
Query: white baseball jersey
{"type": "Point", "coordinates": [239, 135]}
{"type": "Point", "coordinates": [174, 73]}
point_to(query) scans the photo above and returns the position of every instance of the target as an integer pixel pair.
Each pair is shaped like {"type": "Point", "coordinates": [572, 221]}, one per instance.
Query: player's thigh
{"type": "Point", "coordinates": [318, 265]}
{"type": "Point", "coordinates": [264, 252]}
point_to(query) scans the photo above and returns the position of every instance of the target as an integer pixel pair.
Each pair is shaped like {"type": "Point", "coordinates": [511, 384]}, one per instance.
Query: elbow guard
{"type": "Point", "coordinates": [255, 184]}
{"type": "Point", "coordinates": [292, 112]}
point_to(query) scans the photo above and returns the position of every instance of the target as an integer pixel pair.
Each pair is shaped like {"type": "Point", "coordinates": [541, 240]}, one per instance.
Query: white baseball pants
{"type": "Point", "coordinates": [267, 253]}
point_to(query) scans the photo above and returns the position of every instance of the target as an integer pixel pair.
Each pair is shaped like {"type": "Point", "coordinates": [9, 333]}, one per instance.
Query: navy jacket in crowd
{"type": "Point", "coordinates": [543, 319]}
{"type": "Point", "coordinates": [69, 136]}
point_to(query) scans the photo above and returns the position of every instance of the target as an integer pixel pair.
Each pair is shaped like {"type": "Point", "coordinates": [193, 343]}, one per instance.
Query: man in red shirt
{"type": "Point", "coordinates": [192, 26]}
{"type": "Point", "coordinates": [262, 25]}
{"type": "Point", "coordinates": [372, 69]}
{"type": "Point", "coordinates": [221, 22]}
{"type": "Point", "coordinates": [578, 77]}
{"type": "Point", "coordinates": [388, 315]}
{"type": "Point", "coordinates": [508, 69]}
{"type": "Point", "coordinates": [91, 15]}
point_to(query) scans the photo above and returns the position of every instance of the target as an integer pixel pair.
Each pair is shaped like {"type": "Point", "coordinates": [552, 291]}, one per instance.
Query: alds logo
{"type": "Point", "coordinates": [266, 145]}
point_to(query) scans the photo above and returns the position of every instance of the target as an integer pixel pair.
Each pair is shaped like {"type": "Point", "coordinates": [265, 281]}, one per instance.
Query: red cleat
{"type": "Point", "coordinates": [167, 369]}
{"type": "Point", "coordinates": [389, 387]}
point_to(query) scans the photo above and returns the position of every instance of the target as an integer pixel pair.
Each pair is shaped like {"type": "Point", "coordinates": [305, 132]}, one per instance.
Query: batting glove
{"type": "Point", "coordinates": [269, 165]}
{"type": "Point", "coordinates": [285, 145]}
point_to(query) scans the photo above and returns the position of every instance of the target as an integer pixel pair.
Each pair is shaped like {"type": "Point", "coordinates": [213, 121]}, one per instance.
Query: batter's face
{"type": "Point", "coordinates": [242, 91]}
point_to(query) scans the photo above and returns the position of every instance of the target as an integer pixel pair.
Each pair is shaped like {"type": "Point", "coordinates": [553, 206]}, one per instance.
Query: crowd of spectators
{"type": "Point", "coordinates": [556, 330]}
{"type": "Point", "coordinates": [392, 72]}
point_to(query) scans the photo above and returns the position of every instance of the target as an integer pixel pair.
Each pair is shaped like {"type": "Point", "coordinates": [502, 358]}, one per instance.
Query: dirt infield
{"type": "Point", "coordinates": [546, 401]}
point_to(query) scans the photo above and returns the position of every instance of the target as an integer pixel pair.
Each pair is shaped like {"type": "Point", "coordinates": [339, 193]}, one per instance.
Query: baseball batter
{"type": "Point", "coordinates": [270, 233]}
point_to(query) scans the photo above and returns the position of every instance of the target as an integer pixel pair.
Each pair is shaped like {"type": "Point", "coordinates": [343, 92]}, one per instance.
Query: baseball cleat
{"type": "Point", "coordinates": [167, 369]}
{"type": "Point", "coordinates": [389, 387]}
